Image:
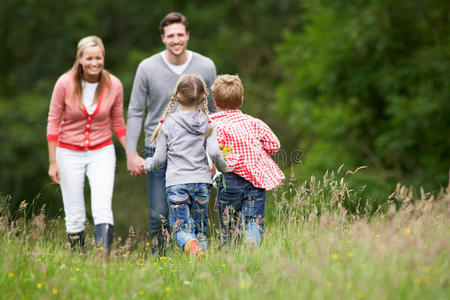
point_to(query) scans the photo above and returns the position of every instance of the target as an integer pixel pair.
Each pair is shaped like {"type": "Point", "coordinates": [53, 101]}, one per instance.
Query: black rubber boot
{"type": "Point", "coordinates": [104, 237]}
{"type": "Point", "coordinates": [76, 240]}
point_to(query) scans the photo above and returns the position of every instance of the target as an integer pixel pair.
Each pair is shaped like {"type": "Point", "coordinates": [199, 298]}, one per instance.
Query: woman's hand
{"type": "Point", "coordinates": [53, 172]}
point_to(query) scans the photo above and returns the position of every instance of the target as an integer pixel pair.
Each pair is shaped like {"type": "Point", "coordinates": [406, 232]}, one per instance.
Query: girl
{"type": "Point", "coordinates": [87, 102]}
{"type": "Point", "coordinates": [185, 138]}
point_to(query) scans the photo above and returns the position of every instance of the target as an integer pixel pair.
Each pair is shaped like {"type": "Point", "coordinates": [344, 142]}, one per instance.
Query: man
{"type": "Point", "coordinates": [153, 86]}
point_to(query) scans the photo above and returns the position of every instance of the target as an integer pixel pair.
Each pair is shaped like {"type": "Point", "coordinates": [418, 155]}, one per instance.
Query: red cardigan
{"type": "Point", "coordinates": [73, 128]}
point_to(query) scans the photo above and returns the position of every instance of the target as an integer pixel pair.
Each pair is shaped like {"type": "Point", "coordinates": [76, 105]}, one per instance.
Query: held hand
{"type": "Point", "coordinates": [212, 170]}
{"type": "Point", "coordinates": [141, 166]}
{"type": "Point", "coordinates": [53, 172]}
{"type": "Point", "coordinates": [135, 164]}
{"type": "Point", "coordinates": [143, 170]}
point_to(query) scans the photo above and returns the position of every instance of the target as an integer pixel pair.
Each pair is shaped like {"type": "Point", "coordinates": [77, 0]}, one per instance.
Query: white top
{"type": "Point", "coordinates": [88, 95]}
{"type": "Point", "coordinates": [177, 69]}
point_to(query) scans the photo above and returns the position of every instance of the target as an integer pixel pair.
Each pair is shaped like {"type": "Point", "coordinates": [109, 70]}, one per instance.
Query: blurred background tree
{"type": "Point", "coordinates": [367, 83]}
{"type": "Point", "coordinates": [353, 82]}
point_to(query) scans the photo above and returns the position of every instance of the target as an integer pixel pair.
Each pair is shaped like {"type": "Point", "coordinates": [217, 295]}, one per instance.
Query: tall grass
{"type": "Point", "coordinates": [325, 242]}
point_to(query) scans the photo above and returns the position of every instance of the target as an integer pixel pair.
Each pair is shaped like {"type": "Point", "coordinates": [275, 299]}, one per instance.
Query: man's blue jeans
{"type": "Point", "coordinates": [241, 208]}
{"type": "Point", "coordinates": [188, 212]}
{"type": "Point", "coordinates": [156, 194]}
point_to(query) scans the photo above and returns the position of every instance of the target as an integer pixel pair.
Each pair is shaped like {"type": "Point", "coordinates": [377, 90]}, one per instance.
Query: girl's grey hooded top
{"type": "Point", "coordinates": [183, 143]}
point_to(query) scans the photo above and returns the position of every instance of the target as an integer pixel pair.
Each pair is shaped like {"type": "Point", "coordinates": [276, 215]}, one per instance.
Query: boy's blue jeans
{"type": "Point", "coordinates": [188, 212]}
{"type": "Point", "coordinates": [241, 206]}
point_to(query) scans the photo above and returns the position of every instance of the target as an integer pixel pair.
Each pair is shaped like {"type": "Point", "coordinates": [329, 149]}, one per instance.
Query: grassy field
{"type": "Point", "coordinates": [319, 244]}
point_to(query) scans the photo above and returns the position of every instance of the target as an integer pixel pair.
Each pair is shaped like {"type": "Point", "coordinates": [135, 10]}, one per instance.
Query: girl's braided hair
{"type": "Point", "coordinates": [190, 90]}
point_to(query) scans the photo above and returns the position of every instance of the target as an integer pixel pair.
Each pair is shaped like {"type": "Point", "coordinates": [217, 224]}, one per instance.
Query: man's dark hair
{"type": "Point", "coordinates": [173, 17]}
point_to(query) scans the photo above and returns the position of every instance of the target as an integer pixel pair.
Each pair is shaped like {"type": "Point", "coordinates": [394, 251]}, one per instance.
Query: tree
{"type": "Point", "coordinates": [366, 83]}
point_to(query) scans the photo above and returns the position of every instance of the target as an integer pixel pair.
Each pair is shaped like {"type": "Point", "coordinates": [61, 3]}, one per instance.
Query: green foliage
{"type": "Point", "coordinates": [23, 152]}
{"type": "Point", "coordinates": [366, 83]}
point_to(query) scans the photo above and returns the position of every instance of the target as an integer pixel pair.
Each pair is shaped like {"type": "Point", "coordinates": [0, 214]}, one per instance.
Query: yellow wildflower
{"type": "Point", "coordinates": [378, 236]}
{"type": "Point", "coordinates": [407, 230]}
{"type": "Point", "coordinates": [168, 289]}
{"type": "Point", "coordinates": [11, 275]}
{"type": "Point", "coordinates": [141, 292]}
{"type": "Point", "coordinates": [39, 285]}
{"type": "Point", "coordinates": [335, 256]}
{"type": "Point", "coordinates": [350, 254]}
{"type": "Point", "coordinates": [54, 291]}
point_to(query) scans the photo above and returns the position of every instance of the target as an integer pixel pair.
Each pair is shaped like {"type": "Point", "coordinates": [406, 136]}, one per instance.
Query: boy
{"type": "Point", "coordinates": [249, 142]}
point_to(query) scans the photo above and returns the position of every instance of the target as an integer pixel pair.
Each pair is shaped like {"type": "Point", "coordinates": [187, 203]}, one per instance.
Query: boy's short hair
{"type": "Point", "coordinates": [227, 91]}
{"type": "Point", "coordinates": [172, 18]}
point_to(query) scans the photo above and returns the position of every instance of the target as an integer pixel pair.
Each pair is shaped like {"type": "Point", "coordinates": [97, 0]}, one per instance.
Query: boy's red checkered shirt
{"type": "Point", "coordinates": [251, 142]}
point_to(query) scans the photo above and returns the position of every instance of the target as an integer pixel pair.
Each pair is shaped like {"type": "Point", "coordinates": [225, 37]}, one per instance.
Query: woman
{"type": "Point", "coordinates": [86, 103]}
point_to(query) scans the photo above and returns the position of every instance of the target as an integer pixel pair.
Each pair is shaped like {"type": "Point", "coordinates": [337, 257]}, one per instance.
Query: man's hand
{"type": "Point", "coordinates": [135, 164]}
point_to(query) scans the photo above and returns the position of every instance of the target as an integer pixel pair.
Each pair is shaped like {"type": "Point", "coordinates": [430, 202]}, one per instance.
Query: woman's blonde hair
{"type": "Point", "coordinates": [77, 70]}
{"type": "Point", "coordinates": [190, 90]}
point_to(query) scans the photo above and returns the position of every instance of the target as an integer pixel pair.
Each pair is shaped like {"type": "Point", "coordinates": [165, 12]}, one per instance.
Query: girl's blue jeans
{"type": "Point", "coordinates": [241, 208]}
{"type": "Point", "coordinates": [188, 212]}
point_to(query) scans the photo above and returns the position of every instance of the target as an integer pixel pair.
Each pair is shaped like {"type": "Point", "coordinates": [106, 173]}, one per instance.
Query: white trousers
{"type": "Point", "coordinates": [99, 166]}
